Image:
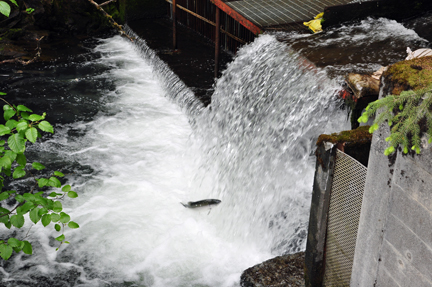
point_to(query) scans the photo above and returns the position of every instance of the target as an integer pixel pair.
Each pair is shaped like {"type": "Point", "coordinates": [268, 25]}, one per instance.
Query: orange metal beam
{"type": "Point", "coordinates": [236, 16]}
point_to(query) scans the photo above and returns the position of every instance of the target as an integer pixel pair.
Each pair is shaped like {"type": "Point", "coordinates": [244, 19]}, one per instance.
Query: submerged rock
{"type": "Point", "coordinates": [285, 270]}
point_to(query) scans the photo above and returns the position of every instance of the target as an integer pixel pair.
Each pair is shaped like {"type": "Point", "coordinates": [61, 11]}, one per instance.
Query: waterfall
{"type": "Point", "coordinates": [153, 145]}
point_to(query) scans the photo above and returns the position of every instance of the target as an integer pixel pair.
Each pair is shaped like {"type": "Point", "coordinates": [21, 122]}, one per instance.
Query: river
{"type": "Point", "coordinates": [134, 143]}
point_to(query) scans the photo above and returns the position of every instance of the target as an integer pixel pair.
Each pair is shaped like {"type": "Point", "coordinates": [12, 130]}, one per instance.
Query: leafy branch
{"type": "Point", "coordinates": [404, 113]}
{"type": "Point", "coordinates": [23, 126]}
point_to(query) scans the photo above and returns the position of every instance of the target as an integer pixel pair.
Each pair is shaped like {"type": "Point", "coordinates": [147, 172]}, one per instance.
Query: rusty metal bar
{"type": "Point", "coordinates": [174, 24]}
{"type": "Point", "coordinates": [236, 16]}
{"type": "Point", "coordinates": [217, 42]}
{"type": "Point", "coordinates": [208, 21]}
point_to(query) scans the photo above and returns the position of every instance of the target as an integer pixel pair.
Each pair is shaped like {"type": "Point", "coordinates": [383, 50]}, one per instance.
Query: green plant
{"type": "Point", "coordinates": [21, 127]}
{"type": "Point", "coordinates": [29, 10]}
{"type": "Point", "coordinates": [406, 114]}
{"type": "Point", "coordinates": [5, 7]}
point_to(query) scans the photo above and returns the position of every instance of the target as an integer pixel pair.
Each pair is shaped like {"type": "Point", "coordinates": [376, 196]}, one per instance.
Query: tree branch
{"type": "Point", "coordinates": [18, 60]}
{"type": "Point", "coordinates": [111, 20]}
{"type": "Point", "coordinates": [107, 2]}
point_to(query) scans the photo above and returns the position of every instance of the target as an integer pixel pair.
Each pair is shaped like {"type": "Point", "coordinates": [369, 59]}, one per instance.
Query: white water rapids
{"type": "Point", "coordinates": [252, 149]}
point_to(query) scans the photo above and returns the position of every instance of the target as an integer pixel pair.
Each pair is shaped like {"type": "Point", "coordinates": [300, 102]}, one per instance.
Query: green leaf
{"type": "Point", "coordinates": [35, 117]}
{"type": "Point", "coordinates": [4, 195]}
{"type": "Point", "coordinates": [21, 159]}
{"type": "Point", "coordinates": [42, 182]}
{"type": "Point", "coordinates": [38, 166]}
{"type": "Point", "coordinates": [72, 194]}
{"type": "Point", "coordinates": [57, 226]}
{"type": "Point", "coordinates": [11, 124]}
{"type": "Point", "coordinates": [8, 225]}
{"type": "Point", "coordinates": [19, 198]}
{"type": "Point", "coordinates": [40, 200]}
{"type": "Point", "coordinates": [13, 242]}
{"type": "Point", "coordinates": [24, 208]}
{"type": "Point", "coordinates": [22, 108]}
{"type": "Point", "coordinates": [22, 126]}
{"type": "Point", "coordinates": [59, 174]}
{"type": "Point", "coordinates": [34, 215]}
{"type": "Point", "coordinates": [54, 194]}
{"type": "Point", "coordinates": [60, 238]}
{"type": "Point", "coordinates": [55, 217]}
{"type": "Point", "coordinates": [31, 134]}
{"type": "Point", "coordinates": [57, 207]}
{"type": "Point", "coordinates": [4, 219]}
{"type": "Point", "coordinates": [16, 143]}
{"type": "Point", "coordinates": [27, 249]}
{"type": "Point", "coordinates": [24, 115]}
{"type": "Point", "coordinates": [46, 219]}
{"type": "Point", "coordinates": [5, 162]}
{"type": "Point", "coordinates": [4, 130]}
{"type": "Point", "coordinates": [53, 181]}
{"type": "Point", "coordinates": [66, 188]}
{"type": "Point", "coordinates": [8, 110]}
{"type": "Point", "coordinates": [64, 218]}
{"type": "Point", "coordinates": [19, 172]}
{"type": "Point", "coordinates": [28, 196]}
{"type": "Point", "coordinates": [46, 127]}
{"type": "Point", "coordinates": [73, 225]}
{"type": "Point", "coordinates": [43, 211]}
{"type": "Point", "coordinates": [5, 250]}
{"type": "Point", "coordinates": [49, 204]}
{"type": "Point", "coordinates": [10, 154]}
{"type": "Point", "coordinates": [17, 220]}
{"type": "Point", "coordinates": [4, 210]}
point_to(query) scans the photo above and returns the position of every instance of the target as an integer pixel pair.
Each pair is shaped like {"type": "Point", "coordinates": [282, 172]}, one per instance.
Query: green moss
{"type": "Point", "coordinates": [357, 135]}
{"type": "Point", "coordinates": [411, 74]}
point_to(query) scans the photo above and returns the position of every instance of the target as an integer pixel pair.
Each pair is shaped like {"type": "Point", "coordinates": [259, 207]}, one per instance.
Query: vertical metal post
{"type": "Point", "coordinates": [174, 25]}
{"type": "Point", "coordinates": [217, 42]}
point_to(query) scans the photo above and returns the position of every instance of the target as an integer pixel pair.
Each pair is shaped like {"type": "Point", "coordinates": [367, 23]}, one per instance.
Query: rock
{"type": "Point", "coordinates": [363, 85]}
{"type": "Point", "coordinates": [286, 270]}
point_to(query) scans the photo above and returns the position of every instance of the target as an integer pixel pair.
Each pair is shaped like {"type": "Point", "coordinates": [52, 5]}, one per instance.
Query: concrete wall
{"type": "Point", "coordinates": [394, 243]}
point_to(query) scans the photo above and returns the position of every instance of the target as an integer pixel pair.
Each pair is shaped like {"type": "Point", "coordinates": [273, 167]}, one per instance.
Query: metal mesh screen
{"type": "Point", "coordinates": [343, 219]}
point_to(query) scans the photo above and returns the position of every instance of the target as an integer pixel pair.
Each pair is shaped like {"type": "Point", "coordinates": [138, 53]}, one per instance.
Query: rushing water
{"type": "Point", "coordinates": [139, 144]}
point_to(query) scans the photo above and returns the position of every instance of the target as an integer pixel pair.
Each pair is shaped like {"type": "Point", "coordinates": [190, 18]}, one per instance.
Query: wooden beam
{"type": "Point", "coordinates": [236, 16]}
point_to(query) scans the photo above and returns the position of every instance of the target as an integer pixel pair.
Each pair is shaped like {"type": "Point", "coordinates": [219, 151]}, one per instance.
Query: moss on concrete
{"type": "Point", "coordinates": [355, 143]}
{"type": "Point", "coordinates": [351, 136]}
{"type": "Point", "coordinates": [410, 75]}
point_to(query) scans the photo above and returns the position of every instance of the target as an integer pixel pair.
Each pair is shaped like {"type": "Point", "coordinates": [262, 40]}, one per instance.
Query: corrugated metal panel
{"type": "Point", "coordinates": [266, 13]}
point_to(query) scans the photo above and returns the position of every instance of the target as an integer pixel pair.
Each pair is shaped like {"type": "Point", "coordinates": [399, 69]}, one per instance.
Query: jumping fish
{"type": "Point", "coordinates": [201, 203]}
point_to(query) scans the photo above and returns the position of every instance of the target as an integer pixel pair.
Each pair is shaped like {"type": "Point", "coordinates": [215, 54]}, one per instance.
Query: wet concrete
{"type": "Point", "coordinates": [193, 62]}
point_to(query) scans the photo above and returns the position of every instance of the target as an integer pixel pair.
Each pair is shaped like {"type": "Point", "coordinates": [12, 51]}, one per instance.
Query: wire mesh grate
{"type": "Point", "coordinates": [343, 219]}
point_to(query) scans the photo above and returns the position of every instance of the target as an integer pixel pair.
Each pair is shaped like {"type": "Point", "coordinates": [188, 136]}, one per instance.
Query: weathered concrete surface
{"type": "Point", "coordinates": [394, 242]}
{"type": "Point", "coordinates": [314, 256]}
{"type": "Point", "coordinates": [281, 271]}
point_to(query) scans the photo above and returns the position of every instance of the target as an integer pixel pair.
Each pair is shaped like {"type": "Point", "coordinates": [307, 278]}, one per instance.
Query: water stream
{"type": "Point", "coordinates": [149, 145]}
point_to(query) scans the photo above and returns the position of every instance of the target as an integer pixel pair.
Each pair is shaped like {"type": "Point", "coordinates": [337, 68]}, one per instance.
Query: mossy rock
{"type": "Point", "coordinates": [410, 75]}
